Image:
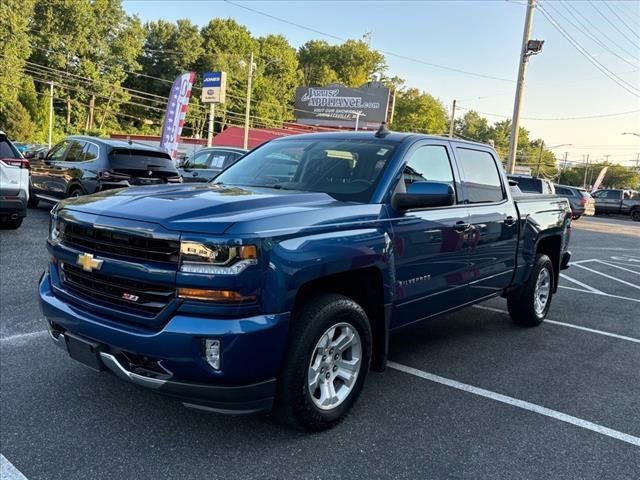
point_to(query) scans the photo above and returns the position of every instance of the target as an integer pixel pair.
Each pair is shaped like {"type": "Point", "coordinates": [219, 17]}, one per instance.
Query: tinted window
{"type": "Point", "coordinates": [528, 184]}
{"type": "Point", "coordinates": [76, 152]}
{"type": "Point", "coordinates": [612, 194]}
{"type": "Point", "coordinates": [429, 163]}
{"type": "Point", "coordinates": [57, 152]}
{"type": "Point", "coordinates": [218, 159]}
{"type": "Point", "coordinates": [7, 150]}
{"type": "Point", "coordinates": [133, 160]}
{"type": "Point", "coordinates": [481, 176]}
{"type": "Point", "coordinates": [91, 152]}
{"type": "Point", "coordinates": [348, 170]}
{"type": "Point", "coordinates": [564, 191]}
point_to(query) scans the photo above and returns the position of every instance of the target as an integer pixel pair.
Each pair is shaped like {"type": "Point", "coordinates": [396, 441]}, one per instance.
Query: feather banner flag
{"type": "Point", "coordinates": [176, 112]}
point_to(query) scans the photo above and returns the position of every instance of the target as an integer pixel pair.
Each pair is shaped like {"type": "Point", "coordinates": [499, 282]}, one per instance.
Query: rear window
{"type": "Point", "coordinates": [7, 150]}
{"type": "Point", "coordinates": [584, 193]}
{"type": "Point", "coordinates": [132, 159]}
{"type": "Point", "coordinates": [529, 185]}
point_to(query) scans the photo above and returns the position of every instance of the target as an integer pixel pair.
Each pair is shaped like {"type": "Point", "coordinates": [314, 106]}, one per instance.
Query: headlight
{"type": "Point", "coordinates": [198, 257]}
{"type": "Point", "coordinates": [56, 228]}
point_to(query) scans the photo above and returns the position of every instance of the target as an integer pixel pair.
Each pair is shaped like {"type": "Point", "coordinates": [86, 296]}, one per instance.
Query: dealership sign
{"type": "Point", "coordinates": [338, 106]}
{"type": "Point", "coordinates": [214, 87]}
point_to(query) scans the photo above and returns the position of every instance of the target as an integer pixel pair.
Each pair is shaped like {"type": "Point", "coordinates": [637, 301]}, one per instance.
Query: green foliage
{"type": "Point", "coordinates": [16, 122]}
{"type": "Point", "coordinates": [419, 112]}
{"type": "Point", "coordinates": [617, 176]}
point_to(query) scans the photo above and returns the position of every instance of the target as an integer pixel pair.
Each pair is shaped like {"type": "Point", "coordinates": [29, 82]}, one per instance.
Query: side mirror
{"type": "Point", "coordinates": [424, 195]}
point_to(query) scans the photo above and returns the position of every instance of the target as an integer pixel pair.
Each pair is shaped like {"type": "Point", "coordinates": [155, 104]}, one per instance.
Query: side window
{"type": "Point", "coordinates": [563, 191]}
{"type": "Point", "coordinates": [57, 152]}
{"type": "Point", "coordinates": [613, 195]}
{"type": "Point", "coordinates": [199, 160]}
{"type": "Point", "coordinates": [481, 176]}
{"type": "Point", "coordinates": [429, 163]}
{"type": "Point", "coordinates": [91, 152]}
{"type": "Point", "coordinates": [231, 159]}
{"type": "Point", "coordinates": [76, 152]}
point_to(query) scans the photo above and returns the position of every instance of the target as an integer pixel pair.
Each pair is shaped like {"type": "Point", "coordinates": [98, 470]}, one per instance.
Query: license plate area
{"type": "Point", "coordinates": [84, 351]}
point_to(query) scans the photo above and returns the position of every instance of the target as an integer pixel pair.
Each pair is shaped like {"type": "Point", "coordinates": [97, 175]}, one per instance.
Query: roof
{"type": "Point", "coordinates": [109, 142]}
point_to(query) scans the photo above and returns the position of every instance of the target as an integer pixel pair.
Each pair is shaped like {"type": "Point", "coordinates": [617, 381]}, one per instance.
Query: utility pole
{"type": "Point", "coordinates": [539, 158]}
{"type": "Point", "coordinates": [50, 113]}
{"type": "Point", "coordinates": [212, 110]}
{"type": "Point", "coordinates": [638, 162]}
{"type": "Point", "coordinates": [563, 166]}
{"type": "Point", "coordinates": [453, 117]}
{"type": "Point", "coordinates": [586, 167]}
{"type": "Point", "coordinates": [529, 47]}
{"type": "Point", "coordinates": [248, 107]}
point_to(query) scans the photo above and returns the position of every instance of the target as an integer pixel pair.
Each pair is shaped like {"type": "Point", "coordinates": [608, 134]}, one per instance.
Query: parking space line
{"type": "Point", "coordinates": [532, 407]}
{"type": "Point", "coordinates": [601, 293]}
{"type": "Point", "coordinates": [584, 285]}
{"type": "Point", "coordinates": [610, 277]}
{"type": "Point", "coordinates": [618, 266]}
{"type": "Point", "coordinates": [570, 325]}
{"type": "Point", "coordinates": [8, 471]}
{"type": "Point", "coordinates": [20, 336]}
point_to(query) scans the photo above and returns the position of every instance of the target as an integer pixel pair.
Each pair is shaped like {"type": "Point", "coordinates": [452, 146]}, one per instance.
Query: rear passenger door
{"type": "Point", "coordinates": [46, 174]}
{"type": "Point", "coordinates": [69, 172]}
{"type": "Point", "coordinates": [431, 260]}
{"type": "Point", "coordinates": [609, 201]}
{"type": "Point", "coordinates": [493, 236]}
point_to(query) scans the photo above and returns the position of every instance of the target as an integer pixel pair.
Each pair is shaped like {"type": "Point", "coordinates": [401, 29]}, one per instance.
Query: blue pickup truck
{"type": "Point", "coordinates": [277, 285]}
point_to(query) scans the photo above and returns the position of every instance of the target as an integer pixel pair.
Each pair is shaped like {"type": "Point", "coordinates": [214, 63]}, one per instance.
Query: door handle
{"type": "Point", "coordinates": [509, 220]}
{"type": "Point", "coordinates": [461, 226]}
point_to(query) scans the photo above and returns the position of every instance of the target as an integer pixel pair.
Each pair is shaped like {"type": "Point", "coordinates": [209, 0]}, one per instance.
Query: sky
{"type": "Point", "coordinates": [483, 37]}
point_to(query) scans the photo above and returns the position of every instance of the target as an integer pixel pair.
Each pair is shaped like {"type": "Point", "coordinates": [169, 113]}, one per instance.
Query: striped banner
{"type": "Point", "coordinates": [176, 112]}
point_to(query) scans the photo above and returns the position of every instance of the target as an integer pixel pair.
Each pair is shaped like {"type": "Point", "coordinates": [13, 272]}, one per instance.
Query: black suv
{"type": "Point", "coordinates": [80, 165]}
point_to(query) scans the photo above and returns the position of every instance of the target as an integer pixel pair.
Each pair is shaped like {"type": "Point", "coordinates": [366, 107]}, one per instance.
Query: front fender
{"type": "Point", "coordinates": [296, 261]}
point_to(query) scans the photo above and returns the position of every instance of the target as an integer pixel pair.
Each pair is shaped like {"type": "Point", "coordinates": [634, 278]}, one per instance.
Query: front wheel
{"type": "Point", "coordinates": [576, 217]}
{"type": "Point", "coordinates": [326, 363]}
{"type": "Point", "coordinates": [529, 305]}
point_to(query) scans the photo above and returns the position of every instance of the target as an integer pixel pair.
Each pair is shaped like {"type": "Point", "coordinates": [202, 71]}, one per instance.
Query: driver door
{"type": "Point", "coordinates": [46, 174]}
{"type": "Point", "coordinates": [431, 244]}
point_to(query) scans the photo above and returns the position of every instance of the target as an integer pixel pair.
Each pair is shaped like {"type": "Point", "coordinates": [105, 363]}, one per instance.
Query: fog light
{"type": "Point", "coordinates": [212, 352]}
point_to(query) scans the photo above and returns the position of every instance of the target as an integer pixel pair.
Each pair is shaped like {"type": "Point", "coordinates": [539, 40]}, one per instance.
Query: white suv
{"type": "Point", "coordinates": [14, 184]}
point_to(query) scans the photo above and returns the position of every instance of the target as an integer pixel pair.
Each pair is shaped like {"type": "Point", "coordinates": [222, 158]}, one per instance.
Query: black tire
{"type": "Point", "coordinates": [521, 303]}
{"type": "Point", "coordinates": [11, 224]}
{"type": "Point", "coordinates": [75, 192]}
{"type": "Point", "coordinates": [33, 201]}
{"type": "Point", "coordinates": [576, 217]}
{"type": "Point", "coordinates": [635, 214]}
{"type": "Point", "coordinates": [294, 404]}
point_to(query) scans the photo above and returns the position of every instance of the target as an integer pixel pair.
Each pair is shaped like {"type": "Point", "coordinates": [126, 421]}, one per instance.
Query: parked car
{"type": "Point", "coordinates": [14, 184]}
{"type": "Point", "coordinates": [278, 284]}
{"type": "Point", "coordinates": [206, 163]}
{"type": "Point", "coordinates": [529, 184]}
{"type": "Point", "coordinates": [580, 200]}
{"type": "Point", "coordinates": [80, 165]}
{"type": "Point", "coordinates": [618, 201]}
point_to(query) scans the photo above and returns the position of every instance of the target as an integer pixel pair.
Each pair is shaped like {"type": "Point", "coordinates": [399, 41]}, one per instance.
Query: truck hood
{"type": "Point", "coordinates": [217, 209]}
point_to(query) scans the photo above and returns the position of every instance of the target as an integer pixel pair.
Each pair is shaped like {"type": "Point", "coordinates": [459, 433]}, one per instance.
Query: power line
{"type": "Point", "coordinates": [615, 27]}
{"type": "Point", "coordinates": [584, 30]}
{"type": "Point", "coordinates": [621, 82]}
{"type": "Point", "coordinates": [386, 52]}
{"type": "Point", "coordinates": [621, 20]}
{"type": "Point", "coordinates": [595, 27]}
{"type": "Point", "coordinates": [584, 117]}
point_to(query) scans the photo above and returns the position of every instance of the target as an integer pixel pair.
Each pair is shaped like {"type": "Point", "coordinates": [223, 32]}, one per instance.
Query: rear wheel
{"type": "Point", "coordinates": [530, 304]}
{"type": "Point", "coordinates": [326, 363]}
{"type": "Point", "coordinates": [576, 217]}
{"type": "Point", "coordinates": [33, 201]}
{"type": "Point", "coordinates": [635, 214]}
{"type": "Point", "coordinates": [75, 192]}
{"type": "Point", "coordinates": [11, 224]}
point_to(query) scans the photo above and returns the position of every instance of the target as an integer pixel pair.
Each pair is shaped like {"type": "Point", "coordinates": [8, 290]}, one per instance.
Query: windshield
{"type": "Point", "coordinates": [348, 170]}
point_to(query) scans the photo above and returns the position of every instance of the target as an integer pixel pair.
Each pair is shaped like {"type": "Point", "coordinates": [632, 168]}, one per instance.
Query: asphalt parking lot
{"type": "Point", "coordinates": [466, 396]}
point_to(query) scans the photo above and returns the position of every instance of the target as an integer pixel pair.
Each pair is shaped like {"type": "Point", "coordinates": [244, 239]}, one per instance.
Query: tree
{"type": "Point", "coordinates": [16, 122]}
{"type": "Point", "coordinates": [473, 127]}
{"type": "Point", "coordinates": [15, 47]}
{"type": "Point", "coordinates": [419, 112]}
{"type": "Point", "coordinates": [617, 176]}
{"type": "Point", "coordinates": [352, 63]}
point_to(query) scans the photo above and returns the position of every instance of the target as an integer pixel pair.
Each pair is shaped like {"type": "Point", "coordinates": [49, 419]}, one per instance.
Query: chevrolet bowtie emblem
{"type": "Point", "coordinates": [88, 263]}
